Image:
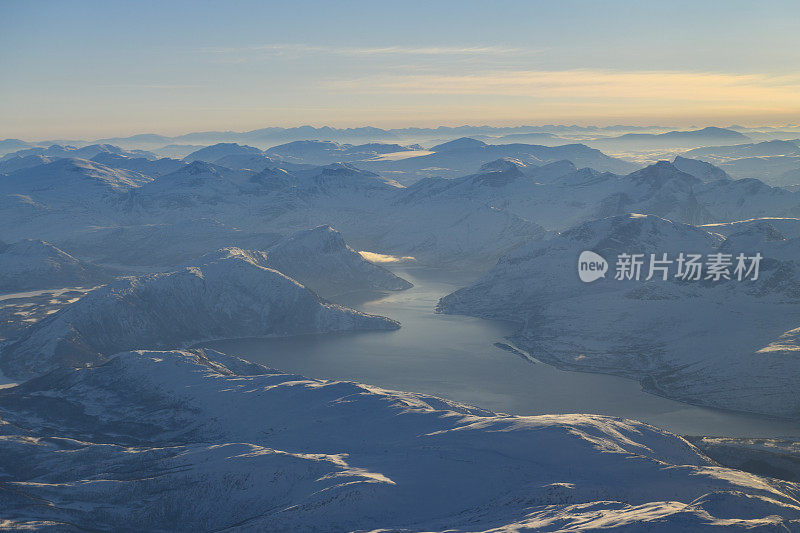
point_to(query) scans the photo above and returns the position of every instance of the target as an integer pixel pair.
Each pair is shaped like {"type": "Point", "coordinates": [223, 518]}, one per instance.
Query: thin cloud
{"type": "Point", "coordinates": [147, 86]}
{"type": "Point", "coordinates": [577, 85]}
{"type": "Point", "coordinates": [298, 48]}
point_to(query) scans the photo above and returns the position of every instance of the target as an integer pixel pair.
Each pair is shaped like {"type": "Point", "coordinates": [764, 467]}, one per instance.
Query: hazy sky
{"type": "Point", "coordinates": [80, 69]}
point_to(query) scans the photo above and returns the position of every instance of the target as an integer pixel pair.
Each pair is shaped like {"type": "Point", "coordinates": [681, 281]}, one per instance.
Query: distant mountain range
{"type": "Point", "coordinates": [775, 162]}
{"type": "Point", "coordinates": [509, 193]}
{"type": "Point", "coordinates": [544, 134]}
{"type": "Point", "coordinates": [402, 151]}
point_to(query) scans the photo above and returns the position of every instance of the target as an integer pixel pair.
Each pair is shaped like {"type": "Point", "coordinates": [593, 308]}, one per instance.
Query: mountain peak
{"type": "Point", "coordinates": [199, 167]}
{"type": "Point", "coordinates": [320, 239]}
{"type": "Point", "coordinates": [660, 173]}
{"type": "Point", "coordinates": [219, 150]}
{"type": "Point", "coordinates": [502, 164]}
{"type": "Point", "coordinates": [458, 145]}
{"type": "Point", "coordinates": [700, 169]}
{"type": "Point", "coordinates": [713, 130]}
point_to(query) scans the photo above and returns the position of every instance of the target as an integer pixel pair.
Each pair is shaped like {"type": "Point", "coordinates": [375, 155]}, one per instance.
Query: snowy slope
{"type": "Point", "coordinates": [78, 204]}
{"type": "Point", "coordinates": [700, 169]}
{"type": "Point", "coordinates": [342, 179]}
{"type": "Point", "coordinates": [466, 237]}
{"type": "Point", "coordinates": [55, 199]}
{"type": "Point", "coordinates": [13, 145]}
{"type": "Point", "coordinates": [201, 441]}
{"type": "Point", "coordinates": [730, 344]}
{"type": "Point", "coordinates": [557, 195]}
{"type": "Point", "coordinates": [164, 244]}
{"type": "Point", "coordinates": [149, 167]}
{"type": "Point", "coordinates": [33, 264]}
{"type": "Point", "coordinates": [774, 162]}
{"type": "Point", "coordinates": [191, 186]}
{"type": "Point", "coordinates": [552, 196]}
{"type": "Point", "coordinates": [227, 298]}
{"type": "Point", "coordinates": [256, 162]}
{"type": "Point", "coordinates": [209, 154]}
{"type": "Point", "coordinates": [320, 259]}
{"type": "Point", "coordinates": [779, 171]}
{"type": "Point", "coordinates": [470, 220]}
{"type": "Point", "coordinates": [15, 163]}
{"type": "Point", "coordinates": [663, 189]}
{"type": "Point", "coordinates": [64, 180]}
{"type": "Point", "coordinates": [57, 151]}
{"type": "Point", "coordinates": [766, 148]}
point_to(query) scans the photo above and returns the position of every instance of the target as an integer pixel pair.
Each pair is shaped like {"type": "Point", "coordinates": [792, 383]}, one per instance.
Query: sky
{"type": "Point", "coordinates": [75, 69]}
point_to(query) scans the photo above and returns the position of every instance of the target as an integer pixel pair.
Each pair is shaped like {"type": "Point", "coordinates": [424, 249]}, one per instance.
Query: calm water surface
{"type": "Point", "coordinates": [455, 357]}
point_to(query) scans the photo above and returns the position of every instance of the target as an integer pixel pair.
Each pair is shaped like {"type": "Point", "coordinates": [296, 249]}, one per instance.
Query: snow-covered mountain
{"type": "Point", "coordinates": [663, 189]}
{"type": "Point", "coordinates": [774, 162]}
{"type": "Point", "coordinates": [244, 195]}
{"type": "Point", "coordinates": [13, 145]}
{"type": "Point", "coordinates": [468, 237]}
{"type": "Point", "coordinates": [56, 199]}
{"type": "Point", "coordinates": [33, 265]}
{"type": "Point", "coordinates": [339, 179]}
{"type": "Point", "coordinates": [660, 189]}
{"type": "Point", "coordinates": [700, 169]}
{"type": "Point", "coordinates": [99, 211]}
{"type": "Point", "coordinates": [728, 344]}
{"type": "Point", "coordinates": [149, 439]}
{"type": "Point", "coordinates": [62, 180]}
{"type": "Point", "coordinates": [738, 151]}
{"type": "Point", "coordinates": [780, 171]}
{"type": "Point", "coordinates": [255, 162]}
{"type": "Point", "coordinates": [528, 192]}
{"type": "Point", "coordinates": [162, 245]}
{"type": "Point", "coordinates": [149, 167]}
{"type": "Point", "coordinates": [474, 218]}
{"type": "Point", "coordinates": [14, 163]}
{"type": "Point", "coordinates": [228, 298]}
{"type": "Point", "coordinates": [558, 195]}
{"type": "Point", "coordinates": [320, 259]}
{"type": "Point", "coordinates": [464, 156]}
{"type": "Point", "coordinates": [209, 154]}
{"type": "Point", "coordinates": [191, 186]}
{"type": "Point", "coordinates": [57, 151]}
{"type": "Point", "coordinates": [671, 140]}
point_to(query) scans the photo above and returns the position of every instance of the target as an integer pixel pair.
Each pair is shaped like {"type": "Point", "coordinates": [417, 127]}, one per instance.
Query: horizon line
{"type": "Point", "coordinates": [693, 127]}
